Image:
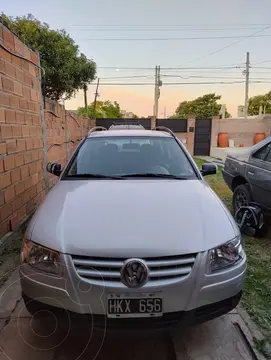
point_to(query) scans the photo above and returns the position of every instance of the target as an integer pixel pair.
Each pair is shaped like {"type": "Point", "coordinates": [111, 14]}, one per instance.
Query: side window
{"type": "Point", "coordinates": [262, 153]}
{"type": "Point", "coordinates": [268, 157]}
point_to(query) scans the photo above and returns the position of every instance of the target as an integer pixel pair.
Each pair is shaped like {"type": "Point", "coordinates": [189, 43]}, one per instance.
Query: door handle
{"type": "Point", "coordinates": [251, 173]}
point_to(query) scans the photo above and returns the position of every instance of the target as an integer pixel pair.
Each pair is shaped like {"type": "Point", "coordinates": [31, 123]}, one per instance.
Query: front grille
{"type": "Point", "coordinates": [107, 270]}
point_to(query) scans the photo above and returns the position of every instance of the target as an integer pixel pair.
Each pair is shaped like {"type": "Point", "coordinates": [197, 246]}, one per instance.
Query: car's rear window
{"type": "Point", "coordinates": [120, 156]}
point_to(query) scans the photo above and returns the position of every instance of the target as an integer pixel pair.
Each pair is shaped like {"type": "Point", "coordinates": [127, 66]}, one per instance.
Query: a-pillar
{"type": "Point", "coordinates": [191, 123]}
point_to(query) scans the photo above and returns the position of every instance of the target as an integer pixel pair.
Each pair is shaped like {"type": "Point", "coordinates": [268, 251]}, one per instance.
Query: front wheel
{"type": "Point", "coordinates": [241, 197]}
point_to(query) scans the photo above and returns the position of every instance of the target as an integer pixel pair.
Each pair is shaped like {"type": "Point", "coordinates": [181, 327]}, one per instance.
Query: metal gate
{"type": "Point", "coordinates": [176, 125]}
{"type": "Point", "coordinates": [106, 122]}
{"type": "Point", "coordinates": [202, 140]}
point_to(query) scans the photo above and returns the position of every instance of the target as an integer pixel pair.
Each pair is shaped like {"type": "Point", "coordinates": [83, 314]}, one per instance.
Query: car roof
{"type": "Point", "coordinates": [260, 144]}
{"type": "Point", "coordinates": [129, 132]}
{"type": "Point", "coordinates": [125, 126]}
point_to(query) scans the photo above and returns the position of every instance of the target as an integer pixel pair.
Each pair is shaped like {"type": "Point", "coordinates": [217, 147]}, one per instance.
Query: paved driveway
{"type": "Point", "coordinates": [26, 338]}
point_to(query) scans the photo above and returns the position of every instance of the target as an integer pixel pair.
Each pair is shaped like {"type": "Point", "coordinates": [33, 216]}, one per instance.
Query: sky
{"type": "Point", "coordinates": [111, 32]}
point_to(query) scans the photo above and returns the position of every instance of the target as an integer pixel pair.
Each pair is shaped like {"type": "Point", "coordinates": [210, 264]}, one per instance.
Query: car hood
{"type": "Point", "coordinates": [125, 218]}
{"type": "Point", "coordinates": [242, 156]}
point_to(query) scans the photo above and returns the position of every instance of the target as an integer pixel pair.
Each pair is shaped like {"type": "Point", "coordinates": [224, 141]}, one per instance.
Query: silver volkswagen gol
{"type": "Point", "coordinates": [133, 236]}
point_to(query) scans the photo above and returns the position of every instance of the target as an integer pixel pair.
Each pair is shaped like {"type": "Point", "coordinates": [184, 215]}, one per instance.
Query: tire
{"type": "Point", "coordinates": [260, 233]}
{"type": "Point", "coordinates": [241, 196]}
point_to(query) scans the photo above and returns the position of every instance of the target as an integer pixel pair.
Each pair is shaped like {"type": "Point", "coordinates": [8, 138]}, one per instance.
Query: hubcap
{"type": "Point", "coordinates": [241, 199]}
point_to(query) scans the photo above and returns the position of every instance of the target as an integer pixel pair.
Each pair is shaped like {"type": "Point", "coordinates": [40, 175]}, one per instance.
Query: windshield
{"type": "Point", "coordinates": [128, 156]}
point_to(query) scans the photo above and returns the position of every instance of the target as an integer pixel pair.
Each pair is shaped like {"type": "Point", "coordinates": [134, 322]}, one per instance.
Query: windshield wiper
{"type": "Point", "coordinates": [95, 176]}
{"type": "Point", "coordinates": [155, 175]}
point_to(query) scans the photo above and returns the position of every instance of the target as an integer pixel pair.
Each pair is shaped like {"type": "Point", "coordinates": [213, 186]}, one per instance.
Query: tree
{"type": "Point", "coordinates": [205, 106]}
{"type": "Point", "coordinates": [257, 102]}
{"type": "Point", "coordinates": [104, 109]}
{"type": "Point", "coordinates": [66, 69]}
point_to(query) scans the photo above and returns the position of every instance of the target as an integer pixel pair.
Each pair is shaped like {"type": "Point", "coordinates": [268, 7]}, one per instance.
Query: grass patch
{"type": "Point", "coordinates": [217, 184]}
{"type": "Point", "coordinates": [257, 292]}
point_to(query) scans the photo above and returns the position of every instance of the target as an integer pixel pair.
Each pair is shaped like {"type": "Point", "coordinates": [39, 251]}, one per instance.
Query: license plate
{"type": "Point", "coordinates": [123, 306]}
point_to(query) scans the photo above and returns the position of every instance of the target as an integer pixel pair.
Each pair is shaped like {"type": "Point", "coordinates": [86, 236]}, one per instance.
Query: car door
{"type": "Point", "coordinates": [258, 174]}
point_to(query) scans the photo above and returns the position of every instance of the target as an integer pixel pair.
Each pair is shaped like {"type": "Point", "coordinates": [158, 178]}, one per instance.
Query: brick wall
{"type": "Point", "coordinates": [64, 130]}
{"type": "Point", "coordinates": [22, 182]}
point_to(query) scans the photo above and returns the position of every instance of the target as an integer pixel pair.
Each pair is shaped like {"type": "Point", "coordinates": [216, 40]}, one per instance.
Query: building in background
{"type": "Point", "coordinates": [127, 114]}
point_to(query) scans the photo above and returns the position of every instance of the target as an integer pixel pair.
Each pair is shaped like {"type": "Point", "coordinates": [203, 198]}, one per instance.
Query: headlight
{"type": "Point", "coordinates": [226, 255]}
{"type": "Point", "coordinates": [40, 258]}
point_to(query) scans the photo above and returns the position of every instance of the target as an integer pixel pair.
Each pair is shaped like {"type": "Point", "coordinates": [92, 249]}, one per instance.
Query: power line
{"type": "Point", "coordinates": [202, 68]}
{"type": "Point", "coordinates": [164, 29]}
{"type": "Point", "coordinates": [208, 71]}
{"type": "Point", "coordinates": [172, 68]}
{"type": "Point", "coordinates": [260, 72]}
{"type": "Point", "coordinates": [262, 62]}
{"type": "Point", "coordinates": [260, 82]}
{"type": "Point", "coordinates": [261, 67]}
{"type": "Point", "coordinates": [125, 68]}
{"type": "Point", "coordinates": [242, 37]}
{"type": "Point", "coordinates": [232, 44]}
{"type": "Point", "coordinates": [257, 78]}
{"type": "Point", "coordinates": [127, 77]}
{"type": "Point", "coordinates": [167, 25]}
{"type": "Point", "coordinates": [185, 76]}
{"type": "Point", "coordinates": [172, 83]}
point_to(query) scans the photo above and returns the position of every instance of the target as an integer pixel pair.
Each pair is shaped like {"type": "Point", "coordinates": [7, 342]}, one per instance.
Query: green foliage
{"type": "Point", "coordinates": [258, 101]}
{"type": "Point", "coordinates": [205, 106]}
{"type": "Point", "coordinates": [66, 69]}
{"type": "Point", "coordinates": [104, 109]}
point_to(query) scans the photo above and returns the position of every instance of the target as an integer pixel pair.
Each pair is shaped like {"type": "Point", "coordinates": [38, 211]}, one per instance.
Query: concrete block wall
{"type": "Point", "coordinates": [182, 136]}
{"type": "Point", "coordinates": [241, 130]}
{"type": "Point", "coordinates": [22, 146]}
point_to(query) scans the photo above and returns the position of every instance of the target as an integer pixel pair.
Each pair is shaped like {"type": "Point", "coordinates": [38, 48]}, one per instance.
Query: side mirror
{"type": "Point", "coordinates": [54, 168]}
{"type": "Point", "coordinates": [208, 169]}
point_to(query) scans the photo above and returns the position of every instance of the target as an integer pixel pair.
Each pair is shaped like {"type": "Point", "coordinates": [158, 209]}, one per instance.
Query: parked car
{"type": "Point", "coordinates": [137, 239]}
{"type": "Point", "coordinates": [248, 175]}
{"type": "Point", "coordinates": [123, 126]}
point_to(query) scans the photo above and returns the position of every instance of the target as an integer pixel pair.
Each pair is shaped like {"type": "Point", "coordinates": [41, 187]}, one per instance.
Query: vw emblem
{"type": "Point", "coordinates": [134, 273]}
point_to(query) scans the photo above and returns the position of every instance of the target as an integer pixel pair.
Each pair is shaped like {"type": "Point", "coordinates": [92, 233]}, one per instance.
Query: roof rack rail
{"type": "Point", "coordinates": [126, 122]}
{"type": "Point", "coordinates": [164, 128]}
{"type": "Point", "coordinates": [97, 128]}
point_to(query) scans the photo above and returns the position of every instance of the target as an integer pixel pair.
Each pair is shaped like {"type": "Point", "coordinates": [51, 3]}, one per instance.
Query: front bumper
{"type": "Point", "coordinates": [167, 321]}
{"type": "Point", "coordinates": [76, 295]}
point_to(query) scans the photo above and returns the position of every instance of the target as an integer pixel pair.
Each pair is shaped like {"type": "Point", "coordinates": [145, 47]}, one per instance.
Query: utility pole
{"type": "Point", "coordinates": [247, 85]}
{"type": "Point", "coordinates": [85, 98]}
{"type": "Point", "coordinates": [96, 95]}
{"type": "Point", "coordinates": [158, 84]}
{"type": "Point", "coordinates": [165, 112]}
{"type": "Point", "coordinates": [155, 110]}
